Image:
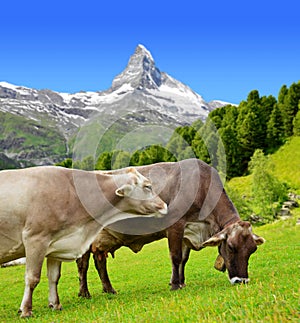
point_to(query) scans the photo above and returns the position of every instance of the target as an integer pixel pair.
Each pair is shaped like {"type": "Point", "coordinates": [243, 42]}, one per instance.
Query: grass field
{"type": "Point", "coordinates": [143, 292]}
{"type": "Point", "coordinates": [287, 163]}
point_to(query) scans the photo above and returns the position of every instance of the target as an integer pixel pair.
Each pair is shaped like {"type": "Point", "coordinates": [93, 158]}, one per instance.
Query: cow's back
{"type": "Point", "coordinates": [183, 185]}
{"type": "Point", "coordinates": [24, 191]}
{"type": "Point", "coordinates": [190, 187]}
{"type": "Point", "coordinates": [27, 198]}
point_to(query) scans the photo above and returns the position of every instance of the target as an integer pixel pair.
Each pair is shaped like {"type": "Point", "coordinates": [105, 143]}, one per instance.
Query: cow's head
{"type": "Point", "coordinates": [137, 196]}
{"type": "Point", "coordinates": [236, 244]}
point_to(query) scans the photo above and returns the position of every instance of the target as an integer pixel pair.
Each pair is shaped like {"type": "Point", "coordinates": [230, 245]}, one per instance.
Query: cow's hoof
{"type": "Point", "coordinates": [109, 291]}
{"type": "Point", "coordinates": [25, 314]}
{"type": "Point", "coordinates": [85, 294]}
{"type": "Point", "coordinates": [237, 280]}
{"type": "Point", "coordinates": [175, 287]}
{"type": "Point", "coordinates": [55, 307]}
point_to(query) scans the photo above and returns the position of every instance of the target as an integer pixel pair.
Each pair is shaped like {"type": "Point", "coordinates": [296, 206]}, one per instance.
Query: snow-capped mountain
{"type": "Point", "coordinates": [141, 90]}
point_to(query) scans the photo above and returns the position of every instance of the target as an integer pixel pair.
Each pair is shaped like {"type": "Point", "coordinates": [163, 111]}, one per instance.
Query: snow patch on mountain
{"type": "Point", "coordinates": [140, 86]}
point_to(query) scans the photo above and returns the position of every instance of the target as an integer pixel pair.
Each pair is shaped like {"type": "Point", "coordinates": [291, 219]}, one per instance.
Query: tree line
{"type": "Point", "coordinates": [226, 140]}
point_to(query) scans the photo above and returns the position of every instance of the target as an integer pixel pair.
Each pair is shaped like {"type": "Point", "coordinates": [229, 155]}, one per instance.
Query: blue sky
{"type": "Point", "coordinates": [221, 49]}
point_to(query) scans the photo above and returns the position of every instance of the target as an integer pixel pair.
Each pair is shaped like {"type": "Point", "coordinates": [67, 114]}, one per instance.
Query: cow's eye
{"type": "Point", "coordinates": [148, 187]}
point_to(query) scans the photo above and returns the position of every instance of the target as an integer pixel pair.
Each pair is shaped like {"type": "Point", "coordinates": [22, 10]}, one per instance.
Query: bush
{"type": "Point", "coordinates": [267, 191]}
{"type": "Point", "coordinates": [241, 202]}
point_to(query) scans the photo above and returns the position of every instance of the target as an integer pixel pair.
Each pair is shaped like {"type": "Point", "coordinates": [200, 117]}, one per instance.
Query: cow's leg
{"type": "Point", "coordinates": [53, 273]}
{"type": "Point", "coordinates": [175, 236]}
{"type": "Point", "coordinates": [82, 267]}
{"type": "Point", "coordinates": [34, 262]}
{"type": "Point", "coordinates": [101, 266]}
{"type": "Point", "coordinates": [185, 256]}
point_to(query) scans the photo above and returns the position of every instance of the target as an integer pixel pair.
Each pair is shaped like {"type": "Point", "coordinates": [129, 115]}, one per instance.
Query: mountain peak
{"type": "Point", "coordinates": [142, 50]}
{"type": "Point", "coordinates": [140, 71]}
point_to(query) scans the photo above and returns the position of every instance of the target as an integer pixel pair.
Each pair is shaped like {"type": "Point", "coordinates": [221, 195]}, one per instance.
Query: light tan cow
{"type": "Point", "coordinates": [56, 213]}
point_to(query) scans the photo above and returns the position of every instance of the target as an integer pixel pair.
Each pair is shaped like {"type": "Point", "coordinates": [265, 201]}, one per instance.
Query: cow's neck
{"type": "Point", "coordinates": [227, 214]}
{"type": "Point", "coordinates": [96, 192]}
{"type": "Point", "coordinates": [232, 219]}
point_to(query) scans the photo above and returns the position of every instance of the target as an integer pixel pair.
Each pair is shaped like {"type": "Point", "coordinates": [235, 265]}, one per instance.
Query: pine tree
{"type": "Point", "coordinates": [252, 125]}
{"type": "Point", "coordinates": [187, 153]}
{"type": "Point", "coordinates": [135, 158]}
{"type": "Point", "coordinates": [205, 143]}
{"type": "Point", "coordinates": [104, 161]}
{"type": "Point", "coordinates": [88, 163]}
{"type": "Point", "coordinates": [212, 144]}
{"type": "Point", "coordinates": [253, 96]}
{"type": "Point", "coordinates": [282, 94]}
{"type": "Point", "coordinates": [67, 163]}
{"type": "Point", "coordinates": [260, 108]}
{"type": "Point", "coordinates": [77, 164]}
{"type": "Point", "coordinates": [296, 123]}
{"type": "Point", "coordinates": [217, 116]}
{"type": "Point", "coordinates": [120, 159]}
{"type": "Point", "coordinates": [200, 149]}
{"type": "Point", "coordinates": [232, 159]}
{"type": "Point", "coordinates": [228, 134]}
{"type": "Point", "coordinates": [267, 105]}
{"type": "Point", "coordinates": [144, 158]}
{"type": "Point", "coordinates": [290, 108]}
{"type": "Point", "coordinates": [246, 134]}
{"type": "Point", "coordinates": [275, 129]}
{"type": "Point", "coordinates": [179, 145]}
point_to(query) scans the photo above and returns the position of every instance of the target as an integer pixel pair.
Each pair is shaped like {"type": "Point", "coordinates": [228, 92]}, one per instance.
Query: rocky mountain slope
{"type": "Point", "coordinates": [141, 94]}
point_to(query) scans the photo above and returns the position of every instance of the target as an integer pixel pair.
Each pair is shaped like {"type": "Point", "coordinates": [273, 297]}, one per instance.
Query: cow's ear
{"type": "Point", "coordinates": [124, 190]}
{"type": "Point", "coordinates": [214, 240]}
{"type": "Point", "coordinates": [258, 240]}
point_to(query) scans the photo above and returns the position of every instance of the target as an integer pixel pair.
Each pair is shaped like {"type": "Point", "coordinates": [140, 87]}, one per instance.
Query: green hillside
{"type": "Point", "coordinates": [27, 140]}
{"type": "Point", "coordinates": [285, 168]}
{"type": "Point", "coordinates": [287, 163]}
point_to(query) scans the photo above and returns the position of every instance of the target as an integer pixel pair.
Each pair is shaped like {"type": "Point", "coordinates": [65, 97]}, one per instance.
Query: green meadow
{"type": "Point", "coordinates": [143, 292]}
{"type": "Point", "coordinates": [273, 294]}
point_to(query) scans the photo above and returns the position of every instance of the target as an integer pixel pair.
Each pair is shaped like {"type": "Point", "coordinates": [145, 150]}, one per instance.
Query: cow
{"type": "Point", "coordinates": [200, 215]}
{"type": "Point", "coordinates": [56, 213]}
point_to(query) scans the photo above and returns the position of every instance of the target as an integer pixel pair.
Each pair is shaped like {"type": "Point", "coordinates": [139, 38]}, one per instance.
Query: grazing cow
{"type": "Point", "coordinates": [200, 215]}
{"type": "Point", "coordinates": [57, 213]}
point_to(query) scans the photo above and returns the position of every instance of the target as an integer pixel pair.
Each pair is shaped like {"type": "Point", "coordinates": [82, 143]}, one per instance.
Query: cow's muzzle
{"type": "Point", "coordinates": [164, 209]}
{"type": "Point", "coordinates": [238, 280]}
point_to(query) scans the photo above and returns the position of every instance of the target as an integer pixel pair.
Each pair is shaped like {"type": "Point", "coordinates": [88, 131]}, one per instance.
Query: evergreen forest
{"type": "Point", "coordinates": [226, 140]}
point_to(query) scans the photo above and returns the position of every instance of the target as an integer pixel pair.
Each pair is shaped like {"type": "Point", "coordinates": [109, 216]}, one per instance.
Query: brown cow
{"type": "Point", "coordinates": [57, 213]}
{"type": "Point", "coordinates": [200, 215]}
